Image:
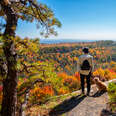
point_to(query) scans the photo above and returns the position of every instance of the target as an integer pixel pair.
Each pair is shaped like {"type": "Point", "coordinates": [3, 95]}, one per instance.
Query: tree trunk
{"type": "Point", "coordinates": [23, 105]}
{"type": "Point", "coordinates": [10, 82]}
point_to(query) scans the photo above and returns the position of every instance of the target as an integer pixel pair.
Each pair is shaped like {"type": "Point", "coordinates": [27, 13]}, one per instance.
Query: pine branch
{"type": "Point", "coordinates": [31, 85]}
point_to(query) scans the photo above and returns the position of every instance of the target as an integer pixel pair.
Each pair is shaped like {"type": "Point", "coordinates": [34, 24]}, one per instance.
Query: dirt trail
{"type": "Point", "coordinates": [90, 106]}
{"type": "Point", "coordinates": [82, 105]}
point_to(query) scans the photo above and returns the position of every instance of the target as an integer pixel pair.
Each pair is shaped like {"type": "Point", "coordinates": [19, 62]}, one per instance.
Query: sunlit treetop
{"type": "Point", "coordinates": [30, 11]}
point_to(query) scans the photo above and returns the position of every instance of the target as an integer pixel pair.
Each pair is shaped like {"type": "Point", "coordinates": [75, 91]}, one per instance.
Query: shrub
{"type": "Point", "coordinates": [112, 96]}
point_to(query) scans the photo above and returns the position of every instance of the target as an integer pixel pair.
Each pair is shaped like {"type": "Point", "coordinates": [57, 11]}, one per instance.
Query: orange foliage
{"type": "Point", "coordinates": [1, 94]}
{"type": "Point", "coordinates": [63, 75]}
{"type": "Point", "coordinates": [48, 90]}
{"type": "Point", "coordinates": [77, 75]}
{"type": "Point", "coordinates": [105, 74]}
{"type": "Point", "coordinates": [71, 82]}
{"type": "Point", "coordinates": [42, 92]}
{"type": "Point", "coordinates": [63, 91]}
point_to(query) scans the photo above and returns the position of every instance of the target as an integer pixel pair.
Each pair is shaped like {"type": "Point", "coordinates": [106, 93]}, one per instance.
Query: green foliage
{"type": "Point", "coordinates": [30, 71]}
{"type": "Point", "coordinates": [33, 74]}
{"type": "Point", "coordinates": [112, 91]}
{"type": "Point", "coordinates": [30, 11]}
{"type": "Point", "coordinates": [112, 95]}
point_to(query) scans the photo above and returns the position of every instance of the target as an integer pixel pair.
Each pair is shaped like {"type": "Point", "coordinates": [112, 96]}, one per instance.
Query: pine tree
{"type": "Point", "coordinates": [10, 12]}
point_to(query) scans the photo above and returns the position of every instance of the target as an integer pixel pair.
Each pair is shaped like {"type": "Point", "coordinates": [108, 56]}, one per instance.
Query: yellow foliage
{"type": "Point", "coordinates": [63, 91]}
{"type": "Point", "coordinates": [105, 74]}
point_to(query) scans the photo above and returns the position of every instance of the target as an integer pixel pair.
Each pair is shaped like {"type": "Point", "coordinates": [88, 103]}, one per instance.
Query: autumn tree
{"type": "Point", "coordinates": [10, 12]}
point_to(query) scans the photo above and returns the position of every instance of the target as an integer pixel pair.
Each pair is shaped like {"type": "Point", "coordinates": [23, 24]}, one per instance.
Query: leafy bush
{"type": "Point", "coordinates": [112, 96]}
{"type": "Point", "coordinates": [72, 83]}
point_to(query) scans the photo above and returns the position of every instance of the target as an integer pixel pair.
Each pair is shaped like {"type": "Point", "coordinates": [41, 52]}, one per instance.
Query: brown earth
{"type": "Point", "coordinates": [79, 105]}
{"type": "Point", "coordinates": [82, 105]}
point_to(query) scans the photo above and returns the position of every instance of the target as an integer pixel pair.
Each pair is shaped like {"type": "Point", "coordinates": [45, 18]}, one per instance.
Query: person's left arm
{"type": "Point", "coordinates": [78, 65]}
{"type": "Point", "coordinates": [92, 64]}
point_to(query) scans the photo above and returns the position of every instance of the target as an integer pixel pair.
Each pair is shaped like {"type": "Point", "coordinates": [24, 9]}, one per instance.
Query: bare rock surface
{"type": "Point", "coordinates": [83, 105]}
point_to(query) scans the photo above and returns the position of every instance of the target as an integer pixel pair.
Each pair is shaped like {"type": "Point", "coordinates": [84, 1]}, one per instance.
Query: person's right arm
{"type": "Point", "coordinates": [78, 65]}
{"type": "Point", "coordinates": [92, 65]}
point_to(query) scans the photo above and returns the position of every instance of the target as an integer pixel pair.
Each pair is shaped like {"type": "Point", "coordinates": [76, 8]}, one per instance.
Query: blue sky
{"type": "Point", "coordinates": [81, 19]}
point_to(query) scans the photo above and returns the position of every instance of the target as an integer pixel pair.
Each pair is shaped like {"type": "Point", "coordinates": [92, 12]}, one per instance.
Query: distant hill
{"type": "Point", "coordinates": [56, 41]}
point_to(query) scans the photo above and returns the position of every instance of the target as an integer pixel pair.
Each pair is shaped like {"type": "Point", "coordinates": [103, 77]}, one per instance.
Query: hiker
{"type": "Point", "coordinates": [85, 68]}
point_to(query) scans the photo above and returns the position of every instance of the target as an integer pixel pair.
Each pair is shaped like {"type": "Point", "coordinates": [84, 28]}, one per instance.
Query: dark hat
{"type": "Point", "coordinates": [86, 50]}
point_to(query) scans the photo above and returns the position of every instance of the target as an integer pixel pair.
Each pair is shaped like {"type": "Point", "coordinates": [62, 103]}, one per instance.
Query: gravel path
{"type": "Point", "coordinates": [90, 106]}
{"type": "Point", "coordinates": [82, 105]}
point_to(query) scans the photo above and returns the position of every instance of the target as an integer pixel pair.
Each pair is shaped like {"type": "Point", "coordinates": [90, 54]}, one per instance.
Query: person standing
{"type": "Point", "coordinates": [85, 68]}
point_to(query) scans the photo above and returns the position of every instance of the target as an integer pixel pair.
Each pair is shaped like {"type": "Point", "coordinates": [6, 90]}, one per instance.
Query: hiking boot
{"type": "Point", "coordinates": [88, 94]}
{"type": "Point", "coordinates": [82, 93]}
